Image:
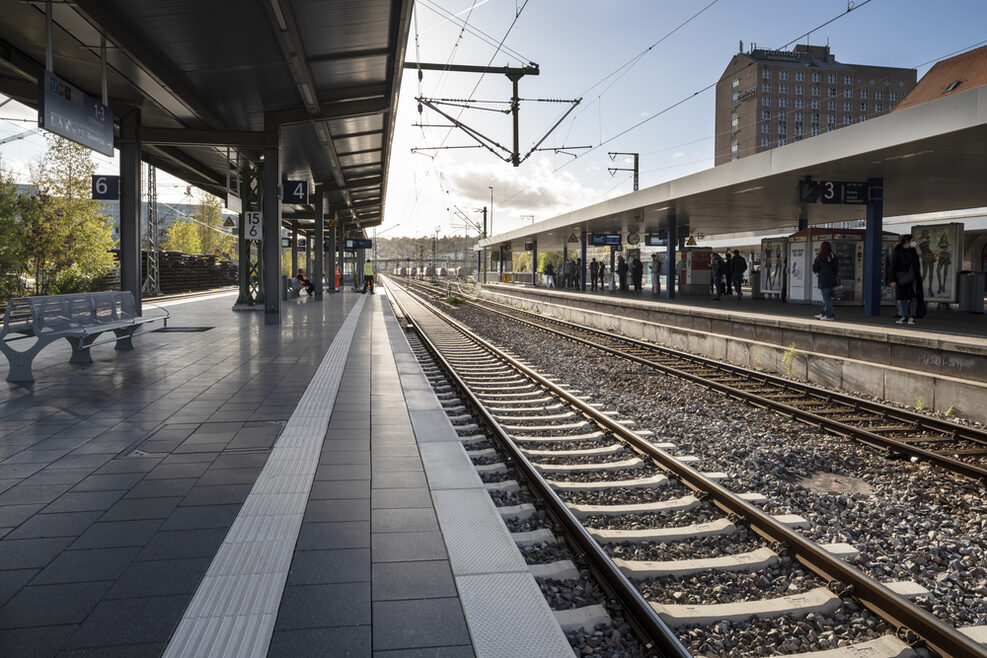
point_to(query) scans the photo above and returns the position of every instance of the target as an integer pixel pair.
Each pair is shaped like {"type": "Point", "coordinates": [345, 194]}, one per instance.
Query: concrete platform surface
{"type": "Point", "coordinates": [250, 490]}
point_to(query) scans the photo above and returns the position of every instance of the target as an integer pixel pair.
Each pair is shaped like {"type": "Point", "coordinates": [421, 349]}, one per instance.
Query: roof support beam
{"type": "Point", "coordinates": [353, 54]}
{"type": "Point", "coordinates": [186, 137]}
{"type": "Point", "coordinates": [341, 110]}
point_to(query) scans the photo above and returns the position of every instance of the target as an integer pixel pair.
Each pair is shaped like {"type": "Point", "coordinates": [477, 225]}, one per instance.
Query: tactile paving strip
{"type": "Point", "coordinates": [478, 541]}
{"type": "Point", "coordinates": [234, 609]}
{"type": "Point", "coordinates": [508, 616]}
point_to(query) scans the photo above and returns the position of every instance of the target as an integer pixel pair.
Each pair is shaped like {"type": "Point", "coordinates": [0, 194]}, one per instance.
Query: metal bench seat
{"type": "Point", "coordinates": [78, 318]}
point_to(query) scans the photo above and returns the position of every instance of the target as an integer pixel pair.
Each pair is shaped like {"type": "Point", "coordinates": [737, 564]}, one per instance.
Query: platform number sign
{"type": "Point", "coordinates": [842, 192]}
{"type": "Point", "coordinates": [252, 228]}
{"type": "Point", "coordinates": [295, 191]}
{"type": "Point", "coordinates": [106, 187]}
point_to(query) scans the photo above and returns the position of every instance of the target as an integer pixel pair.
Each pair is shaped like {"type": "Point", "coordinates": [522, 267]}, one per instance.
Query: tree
{"type": "Point", "coordinates": [209, 217]}
{"type": "Point", "coordinates": [183, 236]}
{"type": "Point", "coordinates": [60, 225]}
{"type": "Point", "coordinates": [11, 247]}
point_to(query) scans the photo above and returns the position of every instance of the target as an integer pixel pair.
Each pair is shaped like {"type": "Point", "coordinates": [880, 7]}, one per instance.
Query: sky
{"type": "Point", "coordinates": [643, 63]}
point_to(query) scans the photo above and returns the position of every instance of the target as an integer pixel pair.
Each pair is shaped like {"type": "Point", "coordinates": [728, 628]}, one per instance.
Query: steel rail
{"type": "Point", "coordinates": [835, 426]}
{"type": "Point", "coordinates": [639, 613]}
{"type": "Point", "coordinates": [896, 610]}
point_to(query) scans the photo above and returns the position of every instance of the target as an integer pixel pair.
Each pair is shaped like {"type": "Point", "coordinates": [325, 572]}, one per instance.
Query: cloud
{"type": "Point", "coordinates": [678, 154]}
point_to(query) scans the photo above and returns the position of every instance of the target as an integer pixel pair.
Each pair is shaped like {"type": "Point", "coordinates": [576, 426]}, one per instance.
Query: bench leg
{"type": "Point", "coordinates": [79, 352]}
{"type": "Point", "coordinates": [124, 338]}
{"type": "Point", "coordinates": [21, 362]}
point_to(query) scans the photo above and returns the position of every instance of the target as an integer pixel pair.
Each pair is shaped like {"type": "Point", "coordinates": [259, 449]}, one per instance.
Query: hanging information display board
{"type": "Point", "coordinates": [70, 113]}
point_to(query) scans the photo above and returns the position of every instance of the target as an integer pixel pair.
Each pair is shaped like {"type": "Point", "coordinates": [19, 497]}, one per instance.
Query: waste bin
{"type": "Point", "coordinates": [971, 292]}
{"type": "Point", "coordinates": [755, 278]}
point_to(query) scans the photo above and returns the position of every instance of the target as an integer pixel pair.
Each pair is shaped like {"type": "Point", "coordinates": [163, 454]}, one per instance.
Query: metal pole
{"type": "Point", "coordinates": [515, 106]}
{"type": "Point", "coordinates": [873, 251]}
{"type": "Point", "coordinates": [102, 68]}
{"type": "Point", "coordinates": [130, 205]}
{"type": "Point", "coordinates": [294, 249]}
{"type": "Point", "coordinates": [272, 223]}
{"type": "Point", "coordinates": [318, 249]}
{"type": "Point", "coordinates": [49, 57]}
{"type": "Point", "coordinates": [670, 265]}
{"type": "Point", "coordinates": [491, 213]}
{"type": "Point", "coordinates": [636, 171]}
{"type": "Point", "coordinates": [341, 250]}
{"type": "Point", "coordinates": [534, 264]}
{"type": "Point", "coordinates": [582, 256]}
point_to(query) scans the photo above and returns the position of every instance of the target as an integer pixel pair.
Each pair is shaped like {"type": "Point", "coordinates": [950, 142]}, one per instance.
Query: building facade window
{"type": "Point", "coordinates": [798, 103]}
{"type": "Point", "coordinates": [878, 107]}
{"type": "Point", "coordinates": [830, 105]}
{"type": "Point", "coordinates": [800, 75]}
{"type": "Point", "coordinates": [783, 75]}
{"type": "Point", "coordinates": [765, 114]}
{"type": "Point", "coordinates": [765, 87]}
{"type": "Point", "coordinates": [815, 91]}
{"type": "Point", "coordinates": [893, 96]}
{"type": "Point", "coordinates": [890, 106]}
{"type": "Point", "coordinates": [765, 141]}
{"type": "Point", "coordinates": [848, 93]}
{"type": "Point", "coordinates": [831, 122]}
{"type": "Point", "coordinates": [766, 74]}
{"type": "Point", "coordinates": [736, 91]}
{"type": "Point", "coordinates": [734, 121]}
{"type": "Point", "coordinates": [864, 93]}
{"type": "Point", "coordinates": [813, 131]}
{"type": "Point", "coordinates": [847, 120]}
{"type": "Point", "coordinates": [832, 92]}
{"type": "Point", "coordinates": [799, 89]}
{"type": "Point", "coordinates": [816, 77]}
{"type": "Point", "coordinates": [765, 128]}
{"type": "Point", "coordinates": [815, 104]}
{"type": "Point", "coordinates": [863, 107]}
{"type": "Point", "coordinates": [831, 78]}
{"type": "Point", "coordinates": [863, 117]}
{"type": "Point", "coordinates": [766, 101]}
{"type": "Point", "coordinates": [782, 102]}
{"type": "Point", "coordinates": [879, 95]}
{"type": "Point", "coordinates": [848, 106]}
{"type": "Point", "coordinates": [848, 79]}
{"type": "Point", "coordinates": [781, 140]}
{"type": "Point", "coordinates": [782, 89]}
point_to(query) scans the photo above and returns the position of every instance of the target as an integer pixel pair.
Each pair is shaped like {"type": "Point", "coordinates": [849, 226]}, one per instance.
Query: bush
{"type": "Point", "coordinates": [10, 286]}
{"type": "Point", "coordinates": [70, 280]}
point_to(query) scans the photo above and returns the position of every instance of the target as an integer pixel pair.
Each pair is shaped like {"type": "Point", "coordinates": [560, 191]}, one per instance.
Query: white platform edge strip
{"type": "Point", "coordinates": [243, 586]}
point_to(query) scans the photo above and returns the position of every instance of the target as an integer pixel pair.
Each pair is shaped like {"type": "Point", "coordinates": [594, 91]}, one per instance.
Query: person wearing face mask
{"type": "Point", "coordinates": [905, 277]}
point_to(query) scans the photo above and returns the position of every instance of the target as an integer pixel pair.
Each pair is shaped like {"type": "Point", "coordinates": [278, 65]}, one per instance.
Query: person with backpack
{"type": "Point", "coordinates": [826, 268]}
{"type": "Point", "coordinates": [738, 265]}
{"type": "Point", "coordinates": [905, 276]}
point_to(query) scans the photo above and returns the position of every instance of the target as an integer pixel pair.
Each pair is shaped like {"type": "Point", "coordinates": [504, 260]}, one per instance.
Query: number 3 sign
{"type": "Point", "coordinates": [252, 228]}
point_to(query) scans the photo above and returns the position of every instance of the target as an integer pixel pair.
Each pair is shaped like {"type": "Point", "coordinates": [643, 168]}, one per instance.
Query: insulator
{"type": "Point", "coordinates": [419, 108]}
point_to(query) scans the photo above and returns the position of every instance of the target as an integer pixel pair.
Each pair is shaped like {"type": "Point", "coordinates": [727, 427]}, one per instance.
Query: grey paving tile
{"type": "Point", "coordinates": [348, 509]}
{"type": "Point", "coordinates": [344, 640]}
{"type": "Point", "coordinates": [407, 546]}
{"type": "Point", "coordinates": [31, 553]}
{"type": "Point", "coordinates": [69, 476]}
{"type": "Point", "coordinates": [395, 464]}
{"type": "Point", "coordinates": [344, 471]}
{"type": "Point", "coordinates": [400, 498]}
{"type": "Point", "coordinates": [318, 606]}
{"type": "Point", "coordinates": [177, 544]}
{"type": "Point", "coordinates": [395, 450]}
{"type": "Point", "coordinates": [83, 461]}
{"type": "Point", "coordinates": [399, 480]}
{"type": "Point", "coordinates": [241, 460]}
{"type": "Point", "coordinates": [12, 580]}
{"type": "Point", "coordinates": [129, 465]}
{"type": "Point", "coordinates": [223, 476]}
{"type": "Point", "coordinates": [458, 651]}
{"type": "Point", "coordinates": [160, 578]}
{"type": "Point", "coordinates": [404, 520]}
{"type": "Point", "coordinates": [201, 516]}
{"type": "Point", "coordinates": [162, 488]}
{"type": "Point", "coordinates": [412, 580]}
{"type": "Point", "coordinates": [117, 533]}
{"type": "Point", "coordinates": [421, 623]}
{"type": "Point", "coordinates": [84, 501]}
{"type": "Point", "coordinates": [28, 495]}
{"type": "Point", "coordinates": [37, 641]}
{"type": "Point", "coordinates": [145, 620]}
{"type": "Point", "coordinates": [335, 445]}
{"type": "Point", "coordinates": [170, 471]}
{"type": "Point", "coordinates": [230, 494]}
{"type": "Point", "coordinates": [109, 482]}
{"type": "Point", "coordinates": [51, 605]}
{"type": "Point", "coordinates": [121, 651]}
{"type": "Point", "coordinates": [323, 488]}
{"type": "Point", "coordinates": [67, 524]}
{"type": "Point", "coordinates": [80, 566]}
{"type": "Point", "coordinates": [130, 509]}
{"type": "Point", "coordinates": [342, 534]}
{"type": "Point", "coordinates": [345, 565]}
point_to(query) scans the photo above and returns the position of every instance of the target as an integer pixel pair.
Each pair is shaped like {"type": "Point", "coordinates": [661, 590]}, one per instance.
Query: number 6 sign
{"type": "Point", "coordinates": [252, 228]}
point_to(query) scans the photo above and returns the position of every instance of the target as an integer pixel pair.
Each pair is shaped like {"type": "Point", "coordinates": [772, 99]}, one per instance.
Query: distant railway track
{"type": "Point", "coordinates": [568, 451]}
{"type": "Point", "coordinates": [898, 432]}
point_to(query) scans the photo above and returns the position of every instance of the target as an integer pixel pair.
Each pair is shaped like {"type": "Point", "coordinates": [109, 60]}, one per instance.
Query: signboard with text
{"type": "Point", "coordinates": [252, 227]}
{"type": "Point", "coordinates": [295, 191]}
{"type": "Point", "coordinates": [352, 243]}
{"type": "Point", "coordinates": [106, 187]}
{"type": "Point", "coordinates": [71, 113]}
{"type": "Point", "coordinates": [842, 192]}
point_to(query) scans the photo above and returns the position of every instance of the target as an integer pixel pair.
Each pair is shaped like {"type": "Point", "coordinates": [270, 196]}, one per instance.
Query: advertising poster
{"type": "Point", "coordinates": [796, 272]}
{"type": "Point", "coordinates": [939, 251]}
{"type": "Point", "coordinates": [773, 266]}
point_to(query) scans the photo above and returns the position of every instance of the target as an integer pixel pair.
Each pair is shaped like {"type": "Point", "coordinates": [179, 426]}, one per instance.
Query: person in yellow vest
{"type": "Point", "coordinates": [368, 276]}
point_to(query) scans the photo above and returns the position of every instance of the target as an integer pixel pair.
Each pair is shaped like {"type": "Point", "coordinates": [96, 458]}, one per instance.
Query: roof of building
{"type": "Point", "coordinates": [968, 71]}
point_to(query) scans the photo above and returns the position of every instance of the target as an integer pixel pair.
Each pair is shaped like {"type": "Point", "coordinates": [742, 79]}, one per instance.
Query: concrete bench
{"type": "Point", "coordinates": [78, 318]}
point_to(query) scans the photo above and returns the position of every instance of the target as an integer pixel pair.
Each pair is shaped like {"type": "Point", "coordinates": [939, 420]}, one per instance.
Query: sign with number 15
{"type": "Point", "coordinates": [252, 225]}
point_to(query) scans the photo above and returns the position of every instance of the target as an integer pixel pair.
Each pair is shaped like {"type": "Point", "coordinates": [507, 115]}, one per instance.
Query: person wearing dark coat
{"type": "Point", "coordinates": [905, 276]}
{"type": "Point", "coordinates": [738, 265]}
{"type": "Point", "coordinates": [594, 272]}
{"type": "Point", "coordinates": [637, 273]}
{"type": "Point", "coordinates": [622, 273]}
{"type": "Point", "coordinates": [827, 270]}
{"type": "Point", "coordinates": [603, 273]}
{"type": "Point", "coordinates": [719, 271]}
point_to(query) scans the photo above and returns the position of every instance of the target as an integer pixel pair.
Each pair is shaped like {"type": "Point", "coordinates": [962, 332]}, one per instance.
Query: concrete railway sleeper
{"type": "Point", "coordinates": [959, 448]}
{"type": "Point", "coordinates": [577, 471]}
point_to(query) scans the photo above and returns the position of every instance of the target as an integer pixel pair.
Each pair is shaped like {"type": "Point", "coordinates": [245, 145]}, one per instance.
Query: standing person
{"type": "Point", "coordinates": [637, 272]}
{"type": "Point", "coordinates": [603, 272]}
{"type": "Point", "coordinates": [737, 268]}
{"type": "Point", "coordinates": [548, 274]}
{"type": "Point", "coordinates": [368, 277]}
{"type": "Point", "coordinates": [827, 270]}
{"type": "Point", "coordinates": [655, 273]}
{"type": "Point", "coordinates": [716, 266]}
{"type": "Point", "coordinates": [578, 274]}
{"type": "Point", "coordinates": [622, 273]}
{"type": "Point", "coordinates": [906, 278]}
{"type": "Point", "coordinates": [594, 272]}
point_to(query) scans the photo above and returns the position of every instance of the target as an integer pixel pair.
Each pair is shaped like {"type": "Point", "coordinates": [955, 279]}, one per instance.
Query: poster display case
{"type": "Point", "coordinates": [940, 251]}
{"type": "Point", "coordinates": [774, 258]}
{"type": "Point", "coordinates": [848, 245]}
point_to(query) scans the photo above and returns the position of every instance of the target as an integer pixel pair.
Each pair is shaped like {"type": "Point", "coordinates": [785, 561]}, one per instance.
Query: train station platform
{"type": "Point", "coordinates": [231, 488]}
{"type": "Point", "coordinates": [941, 362]}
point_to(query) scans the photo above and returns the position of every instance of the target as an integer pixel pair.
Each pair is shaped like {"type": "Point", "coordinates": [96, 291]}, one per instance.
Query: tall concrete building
{"type": "Point", "coordinates": [768, 98]}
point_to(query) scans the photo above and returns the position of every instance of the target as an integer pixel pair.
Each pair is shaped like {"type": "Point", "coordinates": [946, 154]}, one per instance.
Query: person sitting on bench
{"type": "Point", "coordinates": [304, 280]}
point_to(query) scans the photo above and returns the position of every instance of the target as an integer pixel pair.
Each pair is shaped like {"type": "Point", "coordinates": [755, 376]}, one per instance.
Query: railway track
{"type": "Point", "coordinates": [898, 432]}
{"type": "Point", "coordinates": [578, 460]}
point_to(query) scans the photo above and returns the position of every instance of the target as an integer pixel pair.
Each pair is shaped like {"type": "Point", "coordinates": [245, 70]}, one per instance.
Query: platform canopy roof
{"type": "Point", "coordinates": [328, 72]}
{"type": "Point", "coordinates": [932, 157]}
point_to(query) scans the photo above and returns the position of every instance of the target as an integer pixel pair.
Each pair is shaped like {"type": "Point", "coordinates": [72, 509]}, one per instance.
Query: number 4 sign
{"type": "Point", "coordinates": [252, 227]}
{"type": "Point", "coordinates": [295, 191]}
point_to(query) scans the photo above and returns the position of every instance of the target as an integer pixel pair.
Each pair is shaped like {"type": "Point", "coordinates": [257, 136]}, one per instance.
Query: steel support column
{"type": "Point", "coordinates": [341, 250]}
{"type": "Point", "coordinates": [670, 258]}
{"type": "Point", "coordinates": [272, 223]}
{"type": "Point", "coordinates": [500, 260]}
{"type": "Point", "coordinates": [613, 268]}
{"type": "Point", "coordinates": [331, 266]}
{"type": "Point", "coordinates": [130, 205]}
{"type": "Point", "coordinates": [582, 260]}
{"type": "Point", "coordinates": [479, 266]}
{"type": "Point", "coordinates": [873, 251]}
{"type": "Point", "coordinates": [294, 250]}
{"type": "Point", "coordinates": [318, 248]}
{"type": "Point", "coordinates": [534, 263]}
